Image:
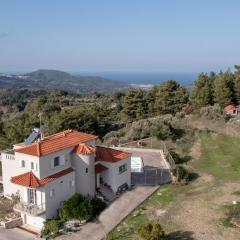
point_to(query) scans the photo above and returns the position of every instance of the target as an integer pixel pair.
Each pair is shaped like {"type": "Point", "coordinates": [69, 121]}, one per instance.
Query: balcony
{"type": "Point", "coordinates": [7, 154]}
{"type": "Point", "coordinates": [29, 208]}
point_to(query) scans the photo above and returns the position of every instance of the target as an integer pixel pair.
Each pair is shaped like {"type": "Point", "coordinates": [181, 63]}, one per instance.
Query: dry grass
{"type": "Point", "coordinates": [6, 207]}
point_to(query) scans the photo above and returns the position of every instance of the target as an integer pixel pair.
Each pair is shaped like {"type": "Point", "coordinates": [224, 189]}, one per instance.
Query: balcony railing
{"type": "Point", "coordinates": [30, 208]}
{"type": "Point", "coordinates": [7, 154]}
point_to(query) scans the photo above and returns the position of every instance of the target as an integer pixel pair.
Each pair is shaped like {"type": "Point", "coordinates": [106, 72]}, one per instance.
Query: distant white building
{"type": "Point", "coordinates": [50, 170]}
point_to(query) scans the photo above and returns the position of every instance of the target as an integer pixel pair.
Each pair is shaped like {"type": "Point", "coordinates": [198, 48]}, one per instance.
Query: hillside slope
{"type": "Point", "coordinates": [54, 79]}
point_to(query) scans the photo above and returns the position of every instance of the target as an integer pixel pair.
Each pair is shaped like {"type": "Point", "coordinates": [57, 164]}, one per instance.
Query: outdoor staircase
{"type": "Point", "coordinates": [107, 193]}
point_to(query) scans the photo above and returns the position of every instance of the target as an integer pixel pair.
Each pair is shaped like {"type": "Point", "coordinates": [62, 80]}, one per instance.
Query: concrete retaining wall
{"type": "Point", "coordinates": [13, 223]}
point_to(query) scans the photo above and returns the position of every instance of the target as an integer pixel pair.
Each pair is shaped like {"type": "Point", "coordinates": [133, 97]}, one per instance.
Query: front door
{"type": "Point", "coordinates": [32, 196]}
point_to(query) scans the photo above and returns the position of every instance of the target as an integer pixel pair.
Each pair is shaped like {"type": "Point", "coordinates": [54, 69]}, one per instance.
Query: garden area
{"type": "Point", "coordinates": [205, 208]}
{"type": "Point", "coordinates": [75, 212]}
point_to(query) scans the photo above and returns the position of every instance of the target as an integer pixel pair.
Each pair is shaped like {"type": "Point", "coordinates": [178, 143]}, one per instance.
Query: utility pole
{"type": "Point", "coordinates": [41, 128]}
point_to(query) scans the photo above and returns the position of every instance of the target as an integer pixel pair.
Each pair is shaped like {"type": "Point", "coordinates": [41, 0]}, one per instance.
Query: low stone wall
{"type": "Point", "coordinates": [13, 223]}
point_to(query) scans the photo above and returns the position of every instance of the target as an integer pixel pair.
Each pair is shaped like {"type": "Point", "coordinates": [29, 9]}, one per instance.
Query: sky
{"type": "Point", "coordinates": [125, 35]}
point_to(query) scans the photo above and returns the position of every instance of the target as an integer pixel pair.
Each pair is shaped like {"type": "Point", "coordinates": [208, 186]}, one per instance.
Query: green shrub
{"type": "Point", "coordinates": [214, 112]}
{"type": "Point", "coordinates": [70, 205]}
{"type": "Point", "coordinates": [177, 159]}
{"type": "Point", "coordinates": [151, 231]}
{"type": "Point", "coordinates": [98, 206]}
{"type": "Point", "coordinates": [77, 207]}
{"type": "Point", "coordinates": [51, 228]}
{"type": "Point", "coordinates": [83, 211]}
{"type": "Point", "coordinates": [182, 174]}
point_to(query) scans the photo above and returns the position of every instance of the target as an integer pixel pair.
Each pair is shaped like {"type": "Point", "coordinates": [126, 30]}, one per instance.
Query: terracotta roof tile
{"type": "Point", "coordinates": [100, 168]}
{"type": "Point", "coordinates": [56, 142]}
{"type": "Point", "coordinates": [27, 179]}
{"type": "Point", "coordinates": [84, 149]}
{"type": "Point", "coordinates": [30, 180]}
{"type": "Point", "coordinates": [56, 176]}
{"type": "Point", "coordinates": [110, 155]}
{"type": "Point", "coordinates": [231, 107]}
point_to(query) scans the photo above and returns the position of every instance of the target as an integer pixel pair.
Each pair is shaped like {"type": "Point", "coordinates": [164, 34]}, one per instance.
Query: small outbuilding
{"type": "Point", "coordinates": [232, 110]}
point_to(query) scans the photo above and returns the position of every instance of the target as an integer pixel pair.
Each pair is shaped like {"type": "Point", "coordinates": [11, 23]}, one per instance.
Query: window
{"type": "Point", "coordinates": [72, 183]}
{"type": "Point", "coordinates": [123, 168]}
{"type": "Point", "coordinates": [32, 196]}
{"type": "Point", "coordinates": [51, 193]}
{"type": "Point", "coordinates": [22, 163]}
{"type": "Point", "coordinates": [56, 161]}
{"type": "Point", "coordinates": [86, 170]}
{"type": "Point", "coordinates": [32, 165]}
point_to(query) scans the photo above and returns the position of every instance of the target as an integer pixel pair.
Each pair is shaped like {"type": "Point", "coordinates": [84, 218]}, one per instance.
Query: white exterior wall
{"type": "Point", "coordinates": [45, 162]}
{"type": "Point", "coordinates": [112, 176]}
{"type": "Point", "coordinates": [85, 181]}
{"type": "Point", "coordinates": [12, 167]}
{"type": "Point", "coordinates": [62, 187]}
{"type": "Point", "coordinates": [62, 191]}
{"type": "Point", "coordinates": [33, 221]}
{"type": "Point", "coordinates": [46, 168]}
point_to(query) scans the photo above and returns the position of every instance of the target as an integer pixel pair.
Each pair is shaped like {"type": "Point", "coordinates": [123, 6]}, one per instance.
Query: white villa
{"type": "Point", "coordinates": [49, 170]}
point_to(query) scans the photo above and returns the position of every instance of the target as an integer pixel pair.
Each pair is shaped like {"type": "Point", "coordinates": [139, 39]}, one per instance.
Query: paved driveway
{"type": "Point", "coordinates": [113, 215]}
{"type": "Point", "coordinates": [15, 234]}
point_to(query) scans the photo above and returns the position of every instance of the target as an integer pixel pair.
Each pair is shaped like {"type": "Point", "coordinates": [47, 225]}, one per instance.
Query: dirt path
{"type": "Point", "coordinates": [198, 210]}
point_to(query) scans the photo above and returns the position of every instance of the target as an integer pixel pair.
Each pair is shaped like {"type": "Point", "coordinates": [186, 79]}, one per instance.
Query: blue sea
{"type": "Point", "coordinates": [146, 78]}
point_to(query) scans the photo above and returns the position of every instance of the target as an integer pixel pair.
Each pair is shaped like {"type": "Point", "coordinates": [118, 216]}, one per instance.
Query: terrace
{"type": "Point", "coordinates": [33, 209]}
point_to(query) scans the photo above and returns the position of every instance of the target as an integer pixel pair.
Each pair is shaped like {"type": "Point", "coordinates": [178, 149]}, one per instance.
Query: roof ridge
{"type": "Point", "coordinates": [32, 178]}
{"type": "Point", "coordinates": [85, 148]}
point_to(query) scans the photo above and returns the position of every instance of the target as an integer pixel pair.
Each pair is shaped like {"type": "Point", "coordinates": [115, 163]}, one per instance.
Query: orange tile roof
{"type": "Point", "coordinates": [84, 149]}
{"type": "Point", "coordinates": [100, 168]}
{"type": "Point", "coordinates": [56, 176]}
{"type": "Point", "coordinates": [27, 179]}
{"type": "Point", "coordinates": [110, 155]}
{"type": "Point", "coordinates": [30, 180]}
{"type": "Point", "coordinates": [231, 107]}
{"type": "Point", "coordinates": [56, 142]}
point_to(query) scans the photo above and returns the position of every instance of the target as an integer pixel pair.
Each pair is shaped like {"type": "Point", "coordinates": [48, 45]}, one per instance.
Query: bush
{"type": "Point", "coordinates": [161, 131]}
{"type": "Point", "coordinates": [151, 231]}
{"type": "Point", "coordinates": [81, 208]}
{"type": "Point", "coordinates": [98, 206]}
{"type": "Point", "coordinates": [83, 211]}
{"type": "Point", "coordinates": [182, 174]}
{"type": "Point", "coordinates": [214, 112]}
{"type": "Point", "coordinates": [177, 159]}
{"type": "Point", "coordinates": [51, 228]}
{"type": "Point", "coordinates": [77, 207]}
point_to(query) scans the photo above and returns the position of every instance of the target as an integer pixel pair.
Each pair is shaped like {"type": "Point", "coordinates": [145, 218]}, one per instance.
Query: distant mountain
{"type": "Point", "coordinates": [53, 79]}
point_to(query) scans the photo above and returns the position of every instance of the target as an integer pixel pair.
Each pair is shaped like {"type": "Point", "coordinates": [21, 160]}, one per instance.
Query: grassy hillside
{"type": "Point", "coordinates": [219, 156]}
{"type": "Point", "coordinates": [196, 210]}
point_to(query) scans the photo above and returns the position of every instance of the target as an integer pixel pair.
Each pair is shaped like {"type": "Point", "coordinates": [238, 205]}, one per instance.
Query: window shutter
{"type": "Point", "coordinates": [52, 163]}
{"type": "Point", "coordinates": [62, 160]}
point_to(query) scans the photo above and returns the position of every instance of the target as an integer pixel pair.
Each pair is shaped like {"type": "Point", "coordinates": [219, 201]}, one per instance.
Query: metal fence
{"type": "Point", "coordinates": [151, 177]}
